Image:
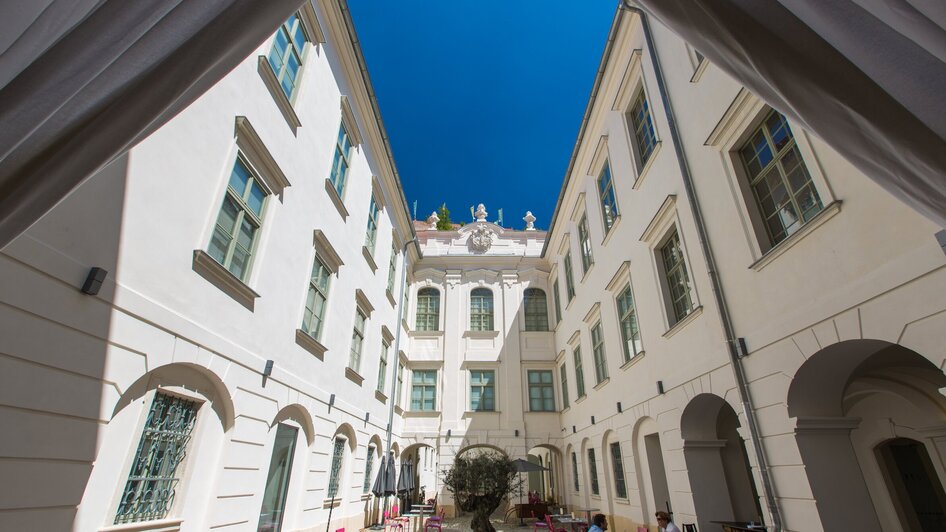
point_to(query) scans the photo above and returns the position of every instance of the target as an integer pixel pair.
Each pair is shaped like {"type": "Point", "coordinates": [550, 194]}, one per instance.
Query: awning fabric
{"type": "Point", "coordinates": [867, 76]}
{"type": "Point", "coordinates": [82, 80]}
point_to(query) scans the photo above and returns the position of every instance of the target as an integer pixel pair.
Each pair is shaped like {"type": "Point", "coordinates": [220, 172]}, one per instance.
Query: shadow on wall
{"type": "Point", "coordinates": [53, 353]}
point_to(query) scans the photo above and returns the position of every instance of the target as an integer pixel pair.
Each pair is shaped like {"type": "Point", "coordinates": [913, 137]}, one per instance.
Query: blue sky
{"type": "Point", "coordinates": [483, 99]}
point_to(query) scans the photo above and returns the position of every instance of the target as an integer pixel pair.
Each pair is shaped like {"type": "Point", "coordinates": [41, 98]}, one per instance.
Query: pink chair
{"type": "Point", "coordinates": [391, 520]}
{"type": "Point", "coordinates": [551, 526]}
{"type": "Point", "coordinates": [541, 525]}
{"type": "Point", "coordinates": [435, 522]}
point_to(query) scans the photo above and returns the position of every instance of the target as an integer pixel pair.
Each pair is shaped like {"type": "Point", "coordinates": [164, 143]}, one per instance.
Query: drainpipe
{"type": "Point", "coordinates": [724, 315]}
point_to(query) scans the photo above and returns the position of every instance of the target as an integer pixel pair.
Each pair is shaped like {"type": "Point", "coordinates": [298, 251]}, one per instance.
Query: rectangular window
{"type": "Point", "coordinates": [424, 391]}
{"type": "Point", "coordinates": [338, 454]}
{"type": "Point", "coordinates": [482, 390]}
{"type": "Point", "coordinates": [593, 472]}
{"type": "Point", "coordinates": [678, 282]}
{"type": "Point", "coordinates": [357, 339]}
{"type": "Point", "coordinates": [783, 190]}
{"type": "Point", "coordinates": [369, 463]}
{"type": "Point", "coordinates": [541, 396]}
{"type": "Point", "coordinates": [601, 361]}
{"type": "Point", "coordinates": [575, 470]}
{"type": "Point", "coordinates": [314, 314]}
{"type": "Point", "coordinates": [630, 333]}
{"type": "Point", "coordinates": [342, 161]}
{"type": "Point", "coordinates": [238, 223]}
{"type": "Point", "coordinates": [286, 56]}
{"type": "Point", "coordinates": [428, 310]}
{"type": "Point", "coordinates": [383, 366]}
{"type": "Point", "coordinates": [277, 480]}
{"type": "Point", "coordinates": [643, 125]}
{"type": "Point", "coordinates": [584, 240]}
{"type": "Point", "coordinates": [371, 236]}
{"type": "Point", "coordinates": [149, 491]}
{"type": "Point", "coordinates": [536, 310]}
{"type": "Point", "coordinates": [392, 269]}
{"type": "Point", "coordinates": [609, 204]}
{"type": "Point", "coordinates": [481, 310]}
{"type": "Point", "coordinates": [579, 373]}
{"type": "Point", "coordinates": [564, 375]}
{"type": "Point", "coordinates": [558, 302]}
{"type": "Point", "coordinates": [400, 384]}
{"type": "Point", "coordinates": [617, 462]}
{"type": "Point", "coordinates": [569, 282]}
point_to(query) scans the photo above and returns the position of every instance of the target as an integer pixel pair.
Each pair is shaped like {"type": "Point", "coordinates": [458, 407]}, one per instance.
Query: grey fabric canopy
{"type": "Point", "coordinates": [525, 466]}
{"type": "Point", "coordinates": [384, 483]}
{"type": "Point", "coordinates": [867, 76]}
{"type": "Point", "coordinates": [405, 481]}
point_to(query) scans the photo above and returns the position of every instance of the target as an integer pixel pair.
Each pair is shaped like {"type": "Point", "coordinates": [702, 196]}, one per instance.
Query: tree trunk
{"type": "Point", "coordinates": [481, 522]}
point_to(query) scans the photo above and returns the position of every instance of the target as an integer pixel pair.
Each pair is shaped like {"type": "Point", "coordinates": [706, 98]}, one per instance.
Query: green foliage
{"type": "Point", "coordinates": [444, 224]}
{"type": "Point", "coordinates": [479, 481]}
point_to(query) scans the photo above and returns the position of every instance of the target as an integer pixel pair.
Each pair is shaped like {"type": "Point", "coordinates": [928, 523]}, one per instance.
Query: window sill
{"type": "Point", "coordinates": [650, 162]}
{"type": "Point", "coordinates": [614, 226]}
{"type": "Point", "coordinates": [633, 360]}
{"type": "Point", "coordinates": [479, 334]}
{"type": "Point", "coordinates": [379, 395]}
{"type": "Point", "coordinates": [211, 270]}
{"type": "Point", "coordinates": [542, 412]}
{"type": "Point", "coordinates": [353, 376]}
{"type": "Point", "coordinates": [332, 502]}
{"type": "Point", "coordinates": [421, 413]}
{"type": "Point", "coordinates": [469, 413]}
{"type": "Point", "coordinates": [622, 500]}
{"type": "Point", "coordinates": [588, 271]}
{"type": "Point", "coordinates": [282, 102]}
{"type": "Point", "coordinates": [602, 384]}
{"type": "Point", "coordinates": [698, 73]}
{"type": "Point", "coordinates": [366, 253]}
{"type": "Point", "coordinates": [364, 497]}
{"type": "Point", "coordinates": [684, 322]}
{"type": "Point", "coordinates": [580, 399]}
{"type": "Point", "coordinates": [398, 410]}
{"type": "Point", "coordinates": [336, 199]}
{"type": "Point", "coordinates": [566, 409]}
{"type": "Point", "coordinates": [425, 334]}
{"type": "Point", "coordinates": [776, 251]}
{"type": "Point", "coordinates": [160, 525]}
{"type": "Point", "coordinates": [391, 298]}
{"type": "Point", "coordinates": [305, 340]}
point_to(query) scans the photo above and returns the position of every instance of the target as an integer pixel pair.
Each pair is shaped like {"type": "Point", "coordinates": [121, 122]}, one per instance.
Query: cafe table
{"type": "Point", "coordinates": [588, 511]}
{"type": "Point", "coordinates": [417, 512]}
{"type": "Point", "coordinates": [571, 521]}
{"type": "Point", "coordinates": [741, 526]}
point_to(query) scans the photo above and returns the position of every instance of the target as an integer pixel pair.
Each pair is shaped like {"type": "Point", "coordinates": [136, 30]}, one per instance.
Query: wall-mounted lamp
{"type": "Point", "coordinates": [592, 420]}
{"type": "Point", "coordinates": [448, 433]}
{"type": "Point", "coordinates": [573, 429]}
{"type": "Point", "coordinates": [660, 387]}
{"type": "Point", "coordinates": [331, 402]}
{"type": "Point", "coordinates": [93, 282]}
{"type": "Point", "coordinates": [741, 348]}
{"type": "Point", "coordinates": [517, 433]}
{"type": "Point", "coordinates": [619, 407]}
{"type": "Point", "coordinates": [367, 417]}
{"type": "Point", "coordinates": [268, 370]}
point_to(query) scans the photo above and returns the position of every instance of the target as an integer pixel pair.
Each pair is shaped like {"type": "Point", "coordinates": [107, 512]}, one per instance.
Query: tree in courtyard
{"type": "Point", "coordinates": [444, 224]}
{"type": "Point", "coordinates": [479, 481]}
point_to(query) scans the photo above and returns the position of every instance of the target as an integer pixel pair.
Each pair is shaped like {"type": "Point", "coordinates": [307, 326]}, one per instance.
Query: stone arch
{"type": "Point", "coordinates": [378, 447]}
{"type": "Point", "coordinates": [292, 433]}
{"type": "Point", "coordinates": [299, 414]}
{"type": "Point", "coordinates": [350, 435]}
{"type": "Point", "coordinates": [396, 449]}
{"type": "Point", "coordinates": [572, 479]}
{"type": "Point", "coordinates": [649, 467]}
{"type": "Point", "coordinates": [585, 472]}
{"type": "Point", "coordinates": [606, 468]}
{"type": "Point", "coordinates": [717, 462]}
{"type": "Point", "coordinates": [553, 479]}
{"type": "Point", "coordinates": [489, 446]}
{"type": "Point", "coordinates": [846, 399]}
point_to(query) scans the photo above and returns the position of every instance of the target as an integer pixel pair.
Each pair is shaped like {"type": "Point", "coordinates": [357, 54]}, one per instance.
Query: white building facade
{"type": "Point", "coordinates": [724, 319]}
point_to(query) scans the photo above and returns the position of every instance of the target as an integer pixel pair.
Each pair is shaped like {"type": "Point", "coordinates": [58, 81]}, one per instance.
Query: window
{"type": "Point", "coordinates": [424, 391]}
{"type": "Point", "coordinates": [579, 373]}
{"type": "Point", "coordinates": [369, 463]}
{"type": "Point", "coordinates": [482, 390]}
{"type": "Point", "coordinates": [783, 190]}
{"type": "Point", "coordinates": [601, 361]}
{"type": "Point", "coordinates": [537, 311]}
{"type": "Point", "coordinates": [481, 310]}
{"type": "Point", "coordinates": [383, 366]}
{"type": "Point", "coordinates": [569, 282]}
{"type": "Point", "coordinates": [558, 302]}
{"type": "Point", "coordinates": [584, 241]}
{"type": "Point", "coordinates": [609, 204]}
{"type": "Point", "coordinates": [338, 455]}
{"type": "Point", "coordinates": [149, 491]}
{"type": "Point", "coordinates": [428, 309]}
{"type": "Point", "coordinates": [314, 314]}
{"type": "Point", "coordinates": [286, 56]}
{"type": "Point", "coordinates": [564, 375]}
{"type": "Point", "coordinates": [371, 236]}
{"type": "Point", "coordinates": [644, 136]}
{"type": "Point", "coordinates": [277, 480]}
{"type": "Point", "coordinates": [593, 472]}
{"type": "Point", "coordinates": [617, 465]}
{"type": "Point", "coordinates": [400, 384]}
{"type": "Point", "coordinates": [630, 333]}
{"type": "Point", "coordinates": [678, 282]}
{"type": "Point", "coordinates": [575, 470]}
{"type": "Point", "coordinates": [357, 339]}
{"type": "Point", "coordinates": [392, 269]}
{"type": "Point", "coordinates": [541, 397]}
{"type": "Point", "coordinates": [241, 215]}
{"type": "Point", "coordinates": [342, 160]}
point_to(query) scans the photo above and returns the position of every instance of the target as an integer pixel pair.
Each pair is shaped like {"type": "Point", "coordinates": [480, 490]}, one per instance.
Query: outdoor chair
{"type": "Point", "coordinates": [539, 524]}
{"type": "Point", "coordinates": [689, 527]}
{"type": "Point", "coordinates": [551, 526]}
{"type": "Point", "coordinates": [435, 522]}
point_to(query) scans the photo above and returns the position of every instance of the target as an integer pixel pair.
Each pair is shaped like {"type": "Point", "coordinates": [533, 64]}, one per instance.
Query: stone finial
{"type": "Point", "coordinates": [530, 221]}
{"type": "Point", "coordinates": [480, 213]}
{"type": "Point", "coordinates": [432, 221]}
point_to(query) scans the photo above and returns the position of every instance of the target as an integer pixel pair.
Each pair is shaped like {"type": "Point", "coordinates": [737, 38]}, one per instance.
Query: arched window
{"type": "Point", "coordinates": [481, 310]}
{"type": "Point", "coordinates": [537, 313]}
{"type": "Point", "coordinates": [428, 309]}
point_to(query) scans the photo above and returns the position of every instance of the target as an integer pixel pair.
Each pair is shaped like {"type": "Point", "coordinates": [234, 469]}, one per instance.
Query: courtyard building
{"type": "Point", "coordinates": [723, 318]}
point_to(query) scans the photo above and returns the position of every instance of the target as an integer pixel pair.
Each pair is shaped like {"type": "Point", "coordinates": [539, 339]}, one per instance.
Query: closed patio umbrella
{"type": "Point", "coordinates": [525, 466]}
{"type": "Point", "coordinates": [405, 482]}
{"type": "Point", "coordinates": [384, 483]}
